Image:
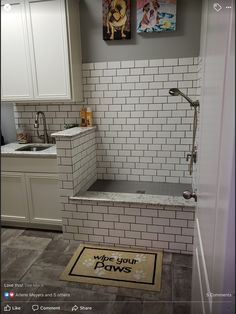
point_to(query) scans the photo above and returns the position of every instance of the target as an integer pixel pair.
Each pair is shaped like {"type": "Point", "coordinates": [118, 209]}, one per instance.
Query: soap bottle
{"type": "Point", "coordinates": [89, 117]}
{"type": "Point", "coordinates": [83, 116]}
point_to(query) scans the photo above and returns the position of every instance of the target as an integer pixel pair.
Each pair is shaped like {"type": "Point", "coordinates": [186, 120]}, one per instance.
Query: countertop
{"type": "Point", "coordinates": [77, 131]}
{"type": "Point", "coordinates": [9, 150]}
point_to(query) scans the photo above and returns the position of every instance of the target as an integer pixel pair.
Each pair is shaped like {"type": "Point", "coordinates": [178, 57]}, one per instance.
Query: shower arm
{"type": "Point", "coordinates": [177, 92]}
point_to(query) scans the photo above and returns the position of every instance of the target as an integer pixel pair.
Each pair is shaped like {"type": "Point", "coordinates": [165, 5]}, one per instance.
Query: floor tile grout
{"type": "Point", "coordinates": [45, 264]}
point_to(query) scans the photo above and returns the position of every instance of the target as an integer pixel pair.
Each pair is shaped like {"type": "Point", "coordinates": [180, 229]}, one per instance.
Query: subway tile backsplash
{"type": "Point", "coordinates": [143, 133]}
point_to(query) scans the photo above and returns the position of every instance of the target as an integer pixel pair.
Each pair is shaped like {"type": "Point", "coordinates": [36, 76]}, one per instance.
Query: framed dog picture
{"type": "Point", "coordinates": [156, 16]}
{"type": "Point", "coordinates": [116, 19]}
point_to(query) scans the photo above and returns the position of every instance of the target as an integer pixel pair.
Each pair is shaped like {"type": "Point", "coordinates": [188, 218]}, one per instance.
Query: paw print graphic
{"type": "Point", "coordinates": [88, 262]}
{"type": "Point", "coordinates": [99, 272]}
{"type": "Point", "coordinates": [139, 274]}
{"type": "Point", "coordinates": [140, 257]}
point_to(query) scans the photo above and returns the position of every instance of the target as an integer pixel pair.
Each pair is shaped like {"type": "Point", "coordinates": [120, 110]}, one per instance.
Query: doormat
{"type": "Point", "coordinates": [129, 268]}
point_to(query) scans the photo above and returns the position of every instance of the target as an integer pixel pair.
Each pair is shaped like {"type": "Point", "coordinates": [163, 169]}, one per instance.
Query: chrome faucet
{"type": "Point", "coordinates": [36, 125]}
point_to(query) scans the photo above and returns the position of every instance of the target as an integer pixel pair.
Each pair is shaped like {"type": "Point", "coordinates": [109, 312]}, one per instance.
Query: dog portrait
{"type": "Point", "coordinates": [116, 19]}
{"type": "Point", "coordinates": [156, 16]}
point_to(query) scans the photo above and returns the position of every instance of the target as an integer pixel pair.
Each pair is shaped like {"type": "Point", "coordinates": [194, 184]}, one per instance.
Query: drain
{"type": "Point", "coordinates": [141, 191]}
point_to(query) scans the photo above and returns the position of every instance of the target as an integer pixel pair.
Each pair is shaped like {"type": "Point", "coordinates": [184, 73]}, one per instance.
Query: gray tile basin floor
{"type": "Point", "coordinates": [154, 188]}
{"type": "Point", "coordinates": [35, 259]}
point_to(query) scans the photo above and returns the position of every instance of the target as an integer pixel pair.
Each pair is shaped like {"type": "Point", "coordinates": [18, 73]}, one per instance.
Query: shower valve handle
{"type": "Point", "coordinates": [188, 156]}
{"type": "Point", "coordinates": [187, 195]}
{"type": "Point", "coordinates": [194, 156]}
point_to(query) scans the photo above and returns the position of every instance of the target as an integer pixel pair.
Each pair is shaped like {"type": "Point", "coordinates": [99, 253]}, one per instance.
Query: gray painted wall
{"type": "Point", "coordinates": [8, 127]}
{"type": "Point", "coordinates": [184, 42]}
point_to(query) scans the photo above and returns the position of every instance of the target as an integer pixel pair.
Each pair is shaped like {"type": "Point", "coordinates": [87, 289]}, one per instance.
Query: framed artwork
{"type": "Point", "coordinates": [116, 19]}
{"type": "Point", "coordinates": [156, 16]}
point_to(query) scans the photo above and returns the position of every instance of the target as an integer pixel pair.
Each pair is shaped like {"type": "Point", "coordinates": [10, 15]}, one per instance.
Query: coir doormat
{"type": "Point", "coordinates": [120, 267]}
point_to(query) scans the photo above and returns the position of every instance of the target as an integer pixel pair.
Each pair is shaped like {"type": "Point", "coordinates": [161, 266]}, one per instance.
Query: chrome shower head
{"type": "Point", "coordinates": [177, 92]}
{"type": "Point", "coordinates": [174, 92]}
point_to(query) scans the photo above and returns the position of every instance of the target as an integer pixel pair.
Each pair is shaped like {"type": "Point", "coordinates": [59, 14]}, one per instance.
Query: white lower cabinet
{"type": "Point", "coordinates": [43, 198]}
{"type": "Point", "coordinates": [14, 203]}
{"type": "Point", "coordinates": [30, 197]}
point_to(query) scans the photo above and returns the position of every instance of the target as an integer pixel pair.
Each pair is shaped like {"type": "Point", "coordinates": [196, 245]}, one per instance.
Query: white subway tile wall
{"type": "Point", "coordinates": [102, 226]}
{"type": "Point", "coordinates": [143, 133]}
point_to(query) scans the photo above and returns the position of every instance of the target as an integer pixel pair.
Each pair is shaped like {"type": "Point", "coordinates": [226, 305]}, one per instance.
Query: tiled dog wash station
{"type": "Point", "coordinates": [142, 134]}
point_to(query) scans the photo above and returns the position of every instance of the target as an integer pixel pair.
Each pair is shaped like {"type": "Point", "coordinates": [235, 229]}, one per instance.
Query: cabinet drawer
{"type": "Point", "coordinates": [29, 164]}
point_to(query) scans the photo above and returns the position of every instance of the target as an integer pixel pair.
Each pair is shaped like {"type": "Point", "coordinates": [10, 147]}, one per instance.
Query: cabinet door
{"type": "Point", "coordinates": [43, 197]}
{"type": "Point", "coordinates": [14, 205]}
{"type": "Point", "coordinates": [49, 49]}
{"type": "Point", "coordinates": [16, 78]}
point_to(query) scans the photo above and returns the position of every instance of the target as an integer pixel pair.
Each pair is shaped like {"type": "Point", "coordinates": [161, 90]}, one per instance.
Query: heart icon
{"type": "Point", "coordinates": [11, 294]}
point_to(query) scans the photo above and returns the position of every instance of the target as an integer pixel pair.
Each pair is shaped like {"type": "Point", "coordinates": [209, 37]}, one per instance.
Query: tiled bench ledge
{"type": "Point", "coordinates": [73, 132]}
{"type": "Point", "coordinates": [130, 220]}
{"type": "Point", "coordinates": [146, 199]}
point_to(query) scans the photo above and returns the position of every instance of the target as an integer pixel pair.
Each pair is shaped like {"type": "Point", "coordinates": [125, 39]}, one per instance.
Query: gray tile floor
{"type": "Point", "coordinates": [154, 188]}
{"type": "Point", "coordinates": [37, 258]}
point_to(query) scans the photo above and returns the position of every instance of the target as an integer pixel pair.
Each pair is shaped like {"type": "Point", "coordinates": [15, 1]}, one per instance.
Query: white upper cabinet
{"type": "Point", "coordinates": [16, 75]}
{"type": "Point", "coordinates": [48, 38]}
{"type": "Point", "coordinates": [41, 51]}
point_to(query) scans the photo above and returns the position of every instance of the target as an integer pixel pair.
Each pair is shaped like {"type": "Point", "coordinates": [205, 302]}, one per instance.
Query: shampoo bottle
{"type": "Point", "coordinates": [83, 116]}
{"type": "Point", "coordinates": [89, 117]}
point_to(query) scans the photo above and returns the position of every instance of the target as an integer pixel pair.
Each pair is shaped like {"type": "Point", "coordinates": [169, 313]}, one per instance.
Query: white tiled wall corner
{"type": "Point", "coordinates": [199, 65]}
{"type": "Point", "coordinates": [78, 169]}
{"type": "Point", "coordinates": [139, 124]}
